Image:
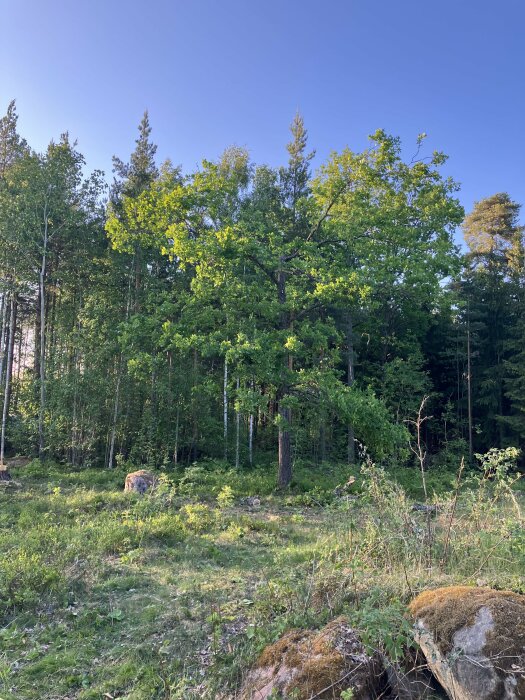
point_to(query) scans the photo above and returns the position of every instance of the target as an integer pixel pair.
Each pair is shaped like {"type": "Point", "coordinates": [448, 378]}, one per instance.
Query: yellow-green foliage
{"type": "Point", "coordinates": [225, 497]}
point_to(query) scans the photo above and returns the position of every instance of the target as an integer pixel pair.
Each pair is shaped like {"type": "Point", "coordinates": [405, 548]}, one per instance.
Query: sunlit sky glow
{"type": "Point", "coordinates": [212, 73]}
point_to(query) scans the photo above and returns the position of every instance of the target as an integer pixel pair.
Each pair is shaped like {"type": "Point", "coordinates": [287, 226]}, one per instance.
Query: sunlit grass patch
{"type": "Point", "coordinates": [178, 591]}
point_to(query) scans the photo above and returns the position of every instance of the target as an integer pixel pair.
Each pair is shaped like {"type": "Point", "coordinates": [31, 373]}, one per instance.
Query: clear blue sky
{"type": "Point", "coordinates": [217, 72]}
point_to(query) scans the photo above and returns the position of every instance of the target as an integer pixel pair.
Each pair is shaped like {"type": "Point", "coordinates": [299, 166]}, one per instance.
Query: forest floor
{"type": "Point", "coordinates": [173, 595]}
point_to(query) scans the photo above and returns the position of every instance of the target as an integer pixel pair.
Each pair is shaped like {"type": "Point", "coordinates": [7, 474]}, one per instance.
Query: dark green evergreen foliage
{"type": "Point", "coordinates": [12, 145]}
{"type": "Point", "coordinates": [491, 288]}
{"type": "Point", "coordinates": [514, 378]}
{"type": "Point", "coordinates": [239, 308]}
{"type": "Point", "coordinates": [134, 177]}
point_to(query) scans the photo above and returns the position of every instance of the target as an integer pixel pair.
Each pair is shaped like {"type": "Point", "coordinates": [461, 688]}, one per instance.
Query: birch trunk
{"type": "Point", "coordinates": [250, 436]}
{"type": "Point", "coordinates": [3, 337]}
{"type": "Point", "coordinates": [18, 369]}
{"type": "Point", "coordinates": [9, 372]}
{"type": "Point", "coordinates": [238, 430]}
{"type": "Point", "coordinates": [116, 406]}
{"type": "Point", "coordinates": [176, 448]}
{"type": "Point", "coordinates": [41, 442]}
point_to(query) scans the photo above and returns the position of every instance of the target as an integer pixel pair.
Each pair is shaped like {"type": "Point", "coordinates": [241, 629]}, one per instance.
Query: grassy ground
{"type": "Point", "coordinates": [173, 595]}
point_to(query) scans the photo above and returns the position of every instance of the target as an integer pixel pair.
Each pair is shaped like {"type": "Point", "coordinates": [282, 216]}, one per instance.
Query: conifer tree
{"type": "Point", "coordinates": [491, 288]}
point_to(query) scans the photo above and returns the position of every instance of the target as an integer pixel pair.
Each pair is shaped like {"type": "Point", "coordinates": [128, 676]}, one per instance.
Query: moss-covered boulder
{"type": "Point", "coordinates": [474, 641]}
{"type": "Point", "coordinates": [140, 481]}
{"type": "Point", "coordinates": [306, 664]}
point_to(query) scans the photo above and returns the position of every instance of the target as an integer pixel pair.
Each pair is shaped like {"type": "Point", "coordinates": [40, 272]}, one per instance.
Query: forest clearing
{"type": "Point", "coordinates": [262, 350]}
{"type": "Point", "coordinates": [174, 594]}
{"type": "Point", "coordinates": [240, 348]}
{"type": "Point", "coordinates": [231, 388]}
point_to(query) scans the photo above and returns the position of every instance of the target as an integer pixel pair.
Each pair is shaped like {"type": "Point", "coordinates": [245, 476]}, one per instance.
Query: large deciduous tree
{"type": "Point", "coordinates": [280, 254]}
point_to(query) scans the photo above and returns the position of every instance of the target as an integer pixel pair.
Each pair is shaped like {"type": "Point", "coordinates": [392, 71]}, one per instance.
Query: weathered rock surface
{"type": "Point", "coordinates": [251, 501]}
{"type": "Point", "coordinates": [305, 664]}
{"type": "Point", "coordinates": [140, 481]}
{"type": "Point", "coordinates": [474, 641]}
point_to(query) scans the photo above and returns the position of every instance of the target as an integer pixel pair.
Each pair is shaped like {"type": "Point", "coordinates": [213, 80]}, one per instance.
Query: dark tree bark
{"type": "Point", "coordinates": [285, 413]}
{"type": "Point", "coordinates": [350, 381]}
{"type": "Point", "coordinates": [285, 450]}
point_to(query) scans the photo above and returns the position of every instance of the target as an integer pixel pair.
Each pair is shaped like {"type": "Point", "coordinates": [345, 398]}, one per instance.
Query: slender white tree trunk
{"type": "Point", "coordinates": [75, 432]}
{"type": "Point", "coordinates": [238, 429]}
{"type": "Point", "coordinates": [250, 436]}
{"type": "Point", "coordinates": [9, 372]}
{"type": "Point", "coordinates": [2, 336]}
{"type": "Point", "coordinates": [41, 441]}
{"type": "Point", "coordinates": [115, 416]}
{"type": "Point", "coordinates": [176, 448]}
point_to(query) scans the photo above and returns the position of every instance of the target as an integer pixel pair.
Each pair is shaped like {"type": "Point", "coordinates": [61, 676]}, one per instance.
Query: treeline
{"type": "Point", "coordinates": [244, 312]}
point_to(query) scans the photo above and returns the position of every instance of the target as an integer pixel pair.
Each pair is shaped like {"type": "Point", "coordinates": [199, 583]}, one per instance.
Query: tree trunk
{"type": "Point", "coordinates": [41, 442]}
{"type": "Point", "coordinates": [3, 337]}
{"type": "Point", "coordinates": [74, 430]}
{"type": "Point", "coordinates": [18, 368]}
{"type": "Point", "coordinates": [75, 369]}
{"type": "Point", "coordinates": [116, 406]}
{"type": "Point", "coordinates": [154, 422]}
{"type": "Point", "coordinates": [285, 451]}
{"type": "Point", "coordinates": [250, 437]}
{"type": "Point", "coordinates": [9, 372]}
{"type": "Point", "coordinates": [177, 415]}
{"type": "Point", "coordinates": [285, 413]}
{"type": "Point", "coordinates": [322, 439]}
{"type": "Point", "coordinates": [51, 333]}
{"type": "Point", "coordinates": [237, 430]}
{"type": "Point", "coordinates": [225, 408]}
{"type": "Point", "coordinates": [176, 448]}
{"type": "Point", "coordinates": [350, 381]}
{"type": "Point", "coordinates": [36, 356]}
{"type": "Point", "coordinates": [469, 392]}
{"type": "Point", "coordinates": [138, 278]}
{"type": "Point", "coordinates": [195, 419]}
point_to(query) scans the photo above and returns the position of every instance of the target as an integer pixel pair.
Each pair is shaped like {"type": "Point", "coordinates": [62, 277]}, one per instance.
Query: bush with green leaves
{"type": "Point", "coordinates": [383, 625]}
{"type": "Point", "coordinates": [225, 497]}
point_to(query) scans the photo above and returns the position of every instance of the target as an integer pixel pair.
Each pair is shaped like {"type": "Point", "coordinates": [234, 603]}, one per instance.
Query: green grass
{"type": "Point", "coordinates": [173, 595]}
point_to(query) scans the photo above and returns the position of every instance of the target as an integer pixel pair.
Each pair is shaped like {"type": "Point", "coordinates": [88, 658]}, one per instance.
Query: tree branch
{"type": "Point", "coordinates": [263, 267]}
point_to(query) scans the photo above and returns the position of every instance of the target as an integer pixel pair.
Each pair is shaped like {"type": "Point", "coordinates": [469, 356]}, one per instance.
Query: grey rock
{"type": "Point", "coordinates": [474, 641]}
{"type": "Point", "coordinates": [140, 481]}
